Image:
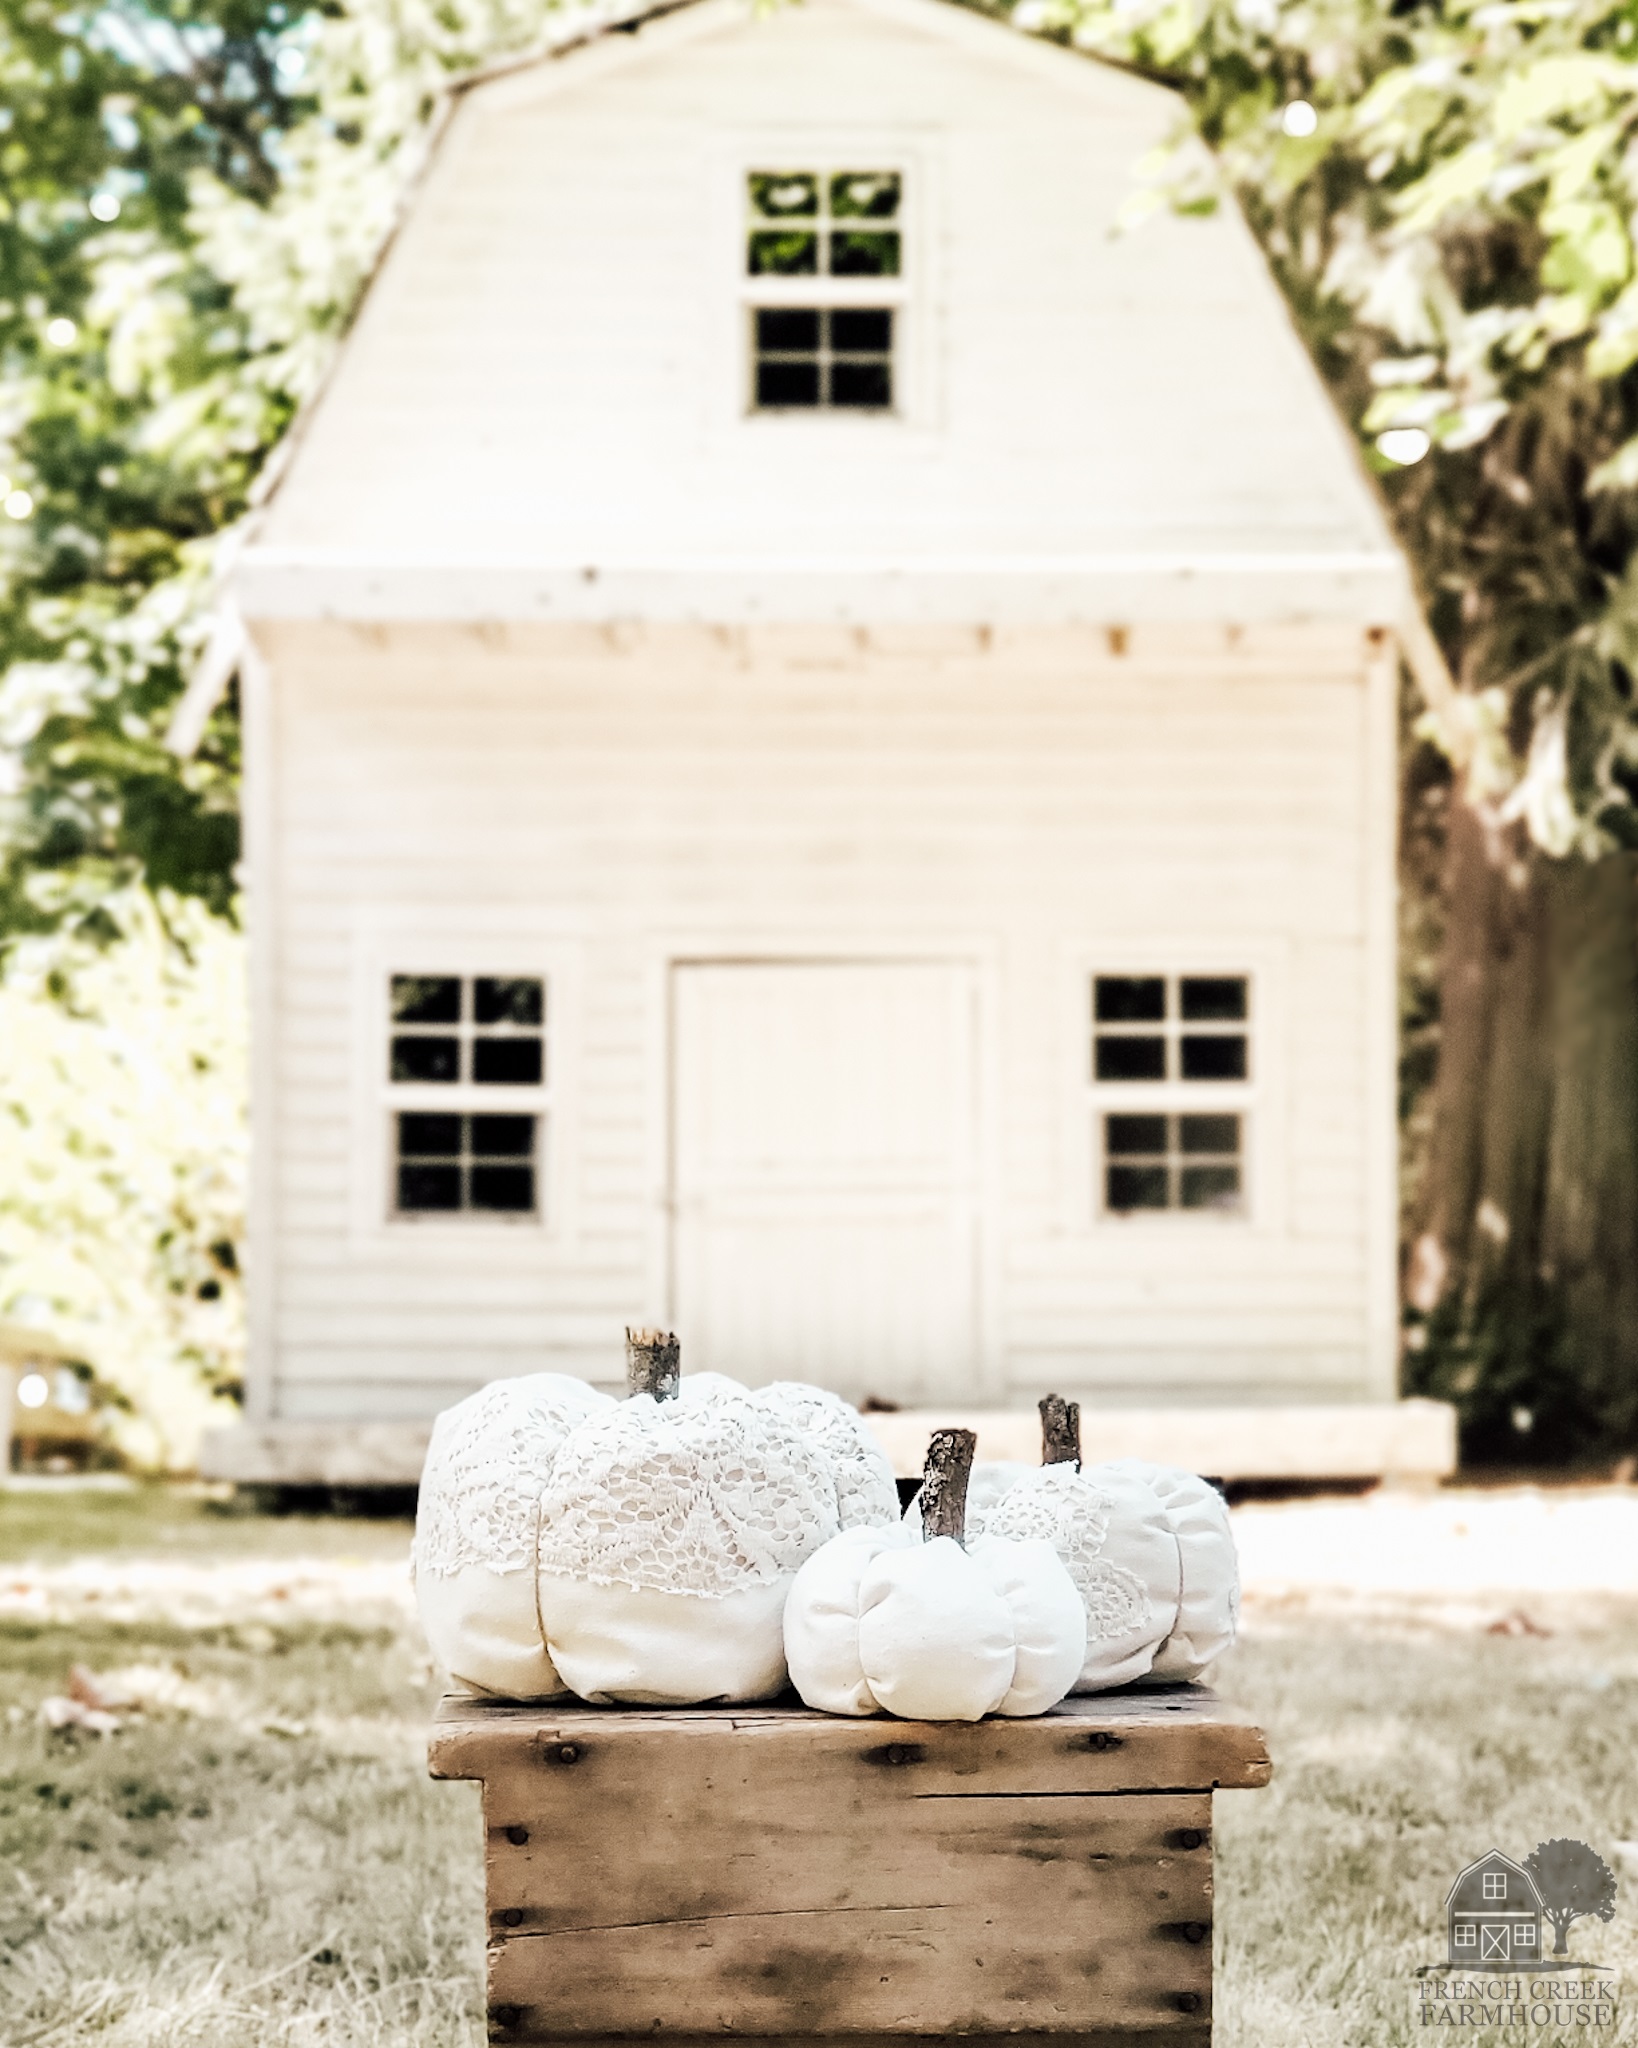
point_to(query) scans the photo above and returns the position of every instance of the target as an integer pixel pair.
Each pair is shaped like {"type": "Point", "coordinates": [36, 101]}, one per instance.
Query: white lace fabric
{"type": "Point", "coordinates": [1069, 1510]}
{"type": "Point", "coordinates": [489, 1461]}
{"type": "Point", "coordinates": [700, 1496]}
{"type": "Point", "coordinates": [867, 1496]}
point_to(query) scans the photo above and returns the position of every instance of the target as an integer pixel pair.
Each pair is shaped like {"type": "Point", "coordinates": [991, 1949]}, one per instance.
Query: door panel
{"type": "Point", "coordinates": [824, 1174]}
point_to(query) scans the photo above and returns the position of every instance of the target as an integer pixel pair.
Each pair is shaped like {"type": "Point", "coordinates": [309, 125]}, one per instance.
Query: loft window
{"type": "Point", "coordinates": [1495, 1884]}
{"type": "Point", "coordinates": [824, 256]}
{"type": "Point", "coordinates": [1170, 1059]}
{"type": "Point", "coordinates": [466, 1072]}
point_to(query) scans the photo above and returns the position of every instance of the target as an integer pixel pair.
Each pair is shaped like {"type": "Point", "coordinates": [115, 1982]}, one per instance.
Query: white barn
{"type": "Point", "coordinates": [821, 741]}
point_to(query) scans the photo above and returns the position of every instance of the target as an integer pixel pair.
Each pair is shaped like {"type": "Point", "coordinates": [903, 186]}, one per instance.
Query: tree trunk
{"type": "Point", "coordinates": [1524, 1265]}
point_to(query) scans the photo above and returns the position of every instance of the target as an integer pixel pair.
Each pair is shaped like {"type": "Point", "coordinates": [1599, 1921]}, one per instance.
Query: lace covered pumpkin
{"type": "Point", "coordinates": [1208, 1608]}
{"type": "Point", "coordinates": [1113, 1537]}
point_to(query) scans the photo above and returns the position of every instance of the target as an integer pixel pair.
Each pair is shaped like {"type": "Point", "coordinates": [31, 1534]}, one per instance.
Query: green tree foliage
{"type": "Point", "coordinates": [1447, 194]}
{"type": "Point", "coordinates": [191, 195]}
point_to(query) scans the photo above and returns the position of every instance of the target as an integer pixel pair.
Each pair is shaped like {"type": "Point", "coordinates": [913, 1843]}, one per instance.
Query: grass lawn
{"type": "Point", "coordinates": [258, 1857]}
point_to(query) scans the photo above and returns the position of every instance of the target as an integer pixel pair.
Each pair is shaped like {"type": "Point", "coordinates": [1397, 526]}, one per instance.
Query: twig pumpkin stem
{"type": "Point", "coordinates": [944, 1483]}
{"type": "Point", "coordinates": [1060, 1431]}
{"type": "Point", "coordinates": [653, 1364]}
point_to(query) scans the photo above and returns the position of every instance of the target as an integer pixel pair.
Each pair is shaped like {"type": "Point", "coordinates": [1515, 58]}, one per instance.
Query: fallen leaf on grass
{"type": "Point", "coordinates": [1518, 1623]}
{"type": "Point", "coordinates": [101, 1695]}
{"type": "Point", "coordinates": [59, 1712]}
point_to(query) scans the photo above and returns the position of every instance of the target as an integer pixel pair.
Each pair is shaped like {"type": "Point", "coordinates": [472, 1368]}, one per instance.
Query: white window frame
{"type": "Point", "coordinates": [909, 295]}
{"type": "Point", "coordinates": [487, 942]}
{"type": "Point", "coordinates": [1259, 1101]}
{"type": "Point", "coordinates": [1495, 1884]}
{"type": "Point", "coordinates": [1466, 1935]}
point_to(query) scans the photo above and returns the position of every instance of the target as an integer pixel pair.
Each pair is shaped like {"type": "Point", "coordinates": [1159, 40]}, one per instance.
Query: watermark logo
{"type": "Point", "coordinates": [1507, 1951]}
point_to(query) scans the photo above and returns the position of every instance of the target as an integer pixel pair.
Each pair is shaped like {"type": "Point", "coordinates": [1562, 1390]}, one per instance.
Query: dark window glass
{"type": "Point", "coordinates": [1126, 999]}
{"type": "Point", "coordinates": [772, 254]}
{"type": "Point", "coordinates": [1219, 1058]}
{"type": "Point", "coordinates": [1131, 1059]}
{"type": "Point", "coordinates": [1210, 1187]}
{"type": "Point", "coordinates": [503, 1137]}
{"type": "Point", "coordinates": [1129, 1134]}
{"type": "Point", "coordinates": [863, 330]}
{"type": "Point", "coordinates": [784, 195]}
{"type": "Point", "coordinates": [429, 1187]}
{"type": "Point", "coordinates": [507, 1062]}
{"type": "Point", "coordinates": [1136, 1187]}
{"type": "Point", "coordinates": [503, 1187]}
{"type": "Point", "coordinates": [1210, 1134]}
{"type": "Point", "coordinates": [508, 1002]}
{"type": "Point", "coordinates": [426, 999]}
{"type": "Point", "coordinates": [1213, 999]}
{"type": "Point", "coordinates": [867, 387]}
{"type": "Point", "coordinates": [426, 1136]}
{"type": "Point", "coordinates": [780, 384]}
{"type": "Point", "coordinates": [426, 1059]}
{"type": "Point", "coordinates": [786, 328]}
{"type": "Point", "coordinates": [867, 195]}
{"type": "Point", "coordinates": [862, 255]}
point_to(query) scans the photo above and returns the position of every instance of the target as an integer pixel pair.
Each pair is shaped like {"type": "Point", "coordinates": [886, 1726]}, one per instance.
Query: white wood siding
{"type": "Point", "coordinates": [549, 370]}
{"type": "Point", "coordinates": [1023, 803]}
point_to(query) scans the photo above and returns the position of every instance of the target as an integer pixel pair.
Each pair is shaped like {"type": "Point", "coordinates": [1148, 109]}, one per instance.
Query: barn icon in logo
{"type": "Point", "coordinates": [1495, 1909]}
{"type": "Point", "coordinates": [1493, 1914]}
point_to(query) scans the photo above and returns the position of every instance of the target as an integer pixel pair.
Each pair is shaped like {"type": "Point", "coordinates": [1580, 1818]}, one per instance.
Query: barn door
{"type": "Point", "coordinates": [824, 1156]}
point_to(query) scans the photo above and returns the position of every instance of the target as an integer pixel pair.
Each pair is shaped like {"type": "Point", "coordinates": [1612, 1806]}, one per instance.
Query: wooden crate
{"type": "Point", "coordinates": [787, 1877]}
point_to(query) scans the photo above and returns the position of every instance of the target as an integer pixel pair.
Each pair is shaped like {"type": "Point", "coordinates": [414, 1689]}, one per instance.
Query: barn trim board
{"type": "Point", "coordinates": [576, 671]}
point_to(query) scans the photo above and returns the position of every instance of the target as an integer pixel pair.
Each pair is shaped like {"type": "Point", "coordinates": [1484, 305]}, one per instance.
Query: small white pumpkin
{"type": "Point", "coordinates": [881, 1620]}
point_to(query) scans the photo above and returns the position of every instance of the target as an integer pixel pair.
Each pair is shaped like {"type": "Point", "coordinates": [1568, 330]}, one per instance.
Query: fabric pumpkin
{"type": "Point", "coordinates": [1114, 1538]}
{"type": "Point", "coordinates": [671, 1533]}
{"type": "Point", "coordinates": [639, 1550]}
{"type": "Point", "coordinates": [880, 1621]}
{"type": "Point", "coordinates": [916, 1621]}
{"type": "Point", "coordinates": [477, 1530]}
{"type": "Point", "coordinates": [1208, 1607]}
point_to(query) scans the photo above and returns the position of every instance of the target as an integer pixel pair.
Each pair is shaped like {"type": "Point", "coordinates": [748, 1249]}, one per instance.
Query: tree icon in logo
{"type": "Point", "coordinates": [1575, 1883]}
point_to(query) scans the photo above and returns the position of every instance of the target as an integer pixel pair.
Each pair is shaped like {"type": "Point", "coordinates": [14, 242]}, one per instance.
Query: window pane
{"type": "Point", "coordinates": [781, 195]}
{"type": "Point", "coordinates": [866, 386]}
{"type": "Point", "coordinates": [1220, 1058]}
{"type": "Point", "coordinates": [862, 255]}
{"type": "Point", "coordinates": [787, 330]}
{"type": "Point", "coordinates": [782, 384]}
{"type": "Point", "coordinates": [862, 330]}
{"type": "Point", "coordinates": [1211, 1134]}
{"type": "Point", "coordinates": [426, 1059]}
{"type": "Point", "coordinates": [1211, 1187]}
{"type": "Point", "coordinates": [508, 1002]}
{"type": "Point", "coordinates": [783, 255]}
{"type": "Point", "coordinates": [1129, 1134]}
{"type": "Point", "coordinates": [507, 1062]}
{"type": "Point", "coordinates": [1131, 1059]}
{"type": "Point", "coordinates": [503, 1187]}
{"type": "Point", "coordinates": [429, 1187]}
{"type": "Point", "coordinates": [1136, 1187]}
{"type": "Point", "coordinates": [1209, 999]}
{"type": "Point", "coordinates": [503, 1137]}
{"type": "Point", "coordinates": [1126, 999]}
{"type": "Point", "coordinates": [421, 1137]}
{"type": "Point", "coordinates": [426, 999]}
{"type": "Point", "coordinates": [871, 195]}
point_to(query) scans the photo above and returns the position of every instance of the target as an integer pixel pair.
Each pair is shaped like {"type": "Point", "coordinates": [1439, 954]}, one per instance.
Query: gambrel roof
{"type": "Point", "coordinates": [540, 410]}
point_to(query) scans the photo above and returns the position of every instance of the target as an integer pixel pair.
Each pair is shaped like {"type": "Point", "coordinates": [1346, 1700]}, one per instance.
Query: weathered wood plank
{"type": "Point", "coordinates": [1167, 1738]}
